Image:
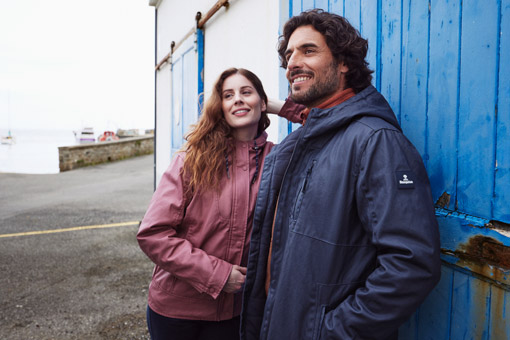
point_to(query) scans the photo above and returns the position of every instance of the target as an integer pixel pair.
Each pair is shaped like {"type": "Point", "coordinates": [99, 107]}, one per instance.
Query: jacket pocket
{"type": "Point", "coordinates": [171, 285]}
{"type": "Point", "coordinates": [301, 193]}
{"type": "Point", "coordinates": [184, 289]}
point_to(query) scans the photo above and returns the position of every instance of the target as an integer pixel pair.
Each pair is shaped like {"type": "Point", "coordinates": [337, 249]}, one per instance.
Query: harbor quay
{"type": "Point", "coordinates": [70, 263]}
{"type": "Point", "coordinates": [77, 156]}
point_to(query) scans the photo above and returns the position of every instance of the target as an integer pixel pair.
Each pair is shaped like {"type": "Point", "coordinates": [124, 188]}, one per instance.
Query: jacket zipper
{"type": "Point", "coordinates": [308, 173]}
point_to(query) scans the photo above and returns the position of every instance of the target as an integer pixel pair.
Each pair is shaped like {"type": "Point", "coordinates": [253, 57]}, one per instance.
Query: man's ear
{"type": "Point", "coordinates": [343, 68]}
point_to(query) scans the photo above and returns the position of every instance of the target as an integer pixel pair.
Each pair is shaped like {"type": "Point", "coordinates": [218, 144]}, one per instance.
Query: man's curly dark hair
{"type": "Point", "coordinates": [344, 41]}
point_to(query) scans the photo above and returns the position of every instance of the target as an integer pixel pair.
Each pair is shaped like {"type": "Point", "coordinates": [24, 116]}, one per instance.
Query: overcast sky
{"type": "Point", "coordinates": [65, 64]}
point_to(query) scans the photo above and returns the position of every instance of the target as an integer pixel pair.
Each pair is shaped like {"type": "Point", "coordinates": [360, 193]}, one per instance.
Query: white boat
{"type": "Point", "coordinates": [85, 135]}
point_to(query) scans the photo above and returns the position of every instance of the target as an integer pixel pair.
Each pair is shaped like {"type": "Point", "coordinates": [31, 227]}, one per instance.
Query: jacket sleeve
{"type": "Point", "coordinates": [292, 111]}
{"type": "Point", "coordinates": [159, 240]}
{"type": "Point", "coordinates": [395, 206]}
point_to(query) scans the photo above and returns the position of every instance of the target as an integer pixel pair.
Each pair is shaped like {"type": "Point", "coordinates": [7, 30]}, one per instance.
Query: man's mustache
{"type": "Point", "coordinates": [298, 72]}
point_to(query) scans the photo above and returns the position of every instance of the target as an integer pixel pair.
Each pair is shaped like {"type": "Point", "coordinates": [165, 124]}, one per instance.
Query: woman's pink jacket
{"type": "Point", "coordinates": [195, 239]}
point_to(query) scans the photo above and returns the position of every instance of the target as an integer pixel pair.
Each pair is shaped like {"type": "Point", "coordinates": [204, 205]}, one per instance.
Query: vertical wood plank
{"type": "Point", "coordinates": [336, 6]}
{"type": "Point", "coordinates": [297, 7]}
{"type": "Point", "coordinates": [470, 308]}
{"type": "Point", "coordinates": [369, 31]}
{"type": "Point", "coordinates": [500, 314]}
{"type": "Point", "coordinates": [307, 4]}
{"type": "Point", "coordinates": [391, 12]}
{"type": "Point", "coordinates": [476, 142]}
{"type": "Point", "coordinates": [352, 12]}
{"type": "Point", "coordinates": [322, 4]}
{"type": "Point", "coordinates": [442, 100]}
{"type": "Point", "coordinates": [283, 87]}
{"type": "Point", "coordinates": [502, 179]}
{"type": "Point", "coordinates": [190, 89]}
{"type": "Point", "coordinates": [176, 103]}
{"type": "Point", "coordinates": [415, 74]}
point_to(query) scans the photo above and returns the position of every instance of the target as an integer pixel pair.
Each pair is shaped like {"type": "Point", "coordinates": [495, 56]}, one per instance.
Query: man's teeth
{"type": "Point", "coordinates": [298, 79]}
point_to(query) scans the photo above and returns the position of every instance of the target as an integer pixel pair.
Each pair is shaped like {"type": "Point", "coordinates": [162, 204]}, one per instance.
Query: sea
{"type": "Point", "coordinates": [34, 151]}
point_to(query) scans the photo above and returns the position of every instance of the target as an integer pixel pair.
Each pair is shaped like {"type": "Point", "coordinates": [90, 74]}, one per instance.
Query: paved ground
{"type": "Point", "coordinates": [83, 284]}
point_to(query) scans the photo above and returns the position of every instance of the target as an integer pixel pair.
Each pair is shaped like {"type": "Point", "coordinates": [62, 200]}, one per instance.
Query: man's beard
{"type": "Point", "coordinates": [325, 85]}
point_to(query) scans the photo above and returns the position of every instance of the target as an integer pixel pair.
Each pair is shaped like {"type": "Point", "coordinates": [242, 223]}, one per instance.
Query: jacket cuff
{"type": "Point", "coordinates": [292, 111]}
{"type": "Point", "coordinates": [219, 279]}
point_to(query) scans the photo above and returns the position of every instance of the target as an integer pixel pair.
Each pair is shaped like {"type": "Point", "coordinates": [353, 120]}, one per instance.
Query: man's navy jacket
{"type": "Point", "coordinates": [356, 245]}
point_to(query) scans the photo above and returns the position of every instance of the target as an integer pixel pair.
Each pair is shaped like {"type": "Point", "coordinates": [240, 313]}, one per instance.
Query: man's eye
{"type": "Point", "coordinates": [308, 51]}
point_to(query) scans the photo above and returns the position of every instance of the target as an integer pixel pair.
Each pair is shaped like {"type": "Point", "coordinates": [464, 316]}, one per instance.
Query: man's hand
{"type": "Point", "coordinates": [235, 280]}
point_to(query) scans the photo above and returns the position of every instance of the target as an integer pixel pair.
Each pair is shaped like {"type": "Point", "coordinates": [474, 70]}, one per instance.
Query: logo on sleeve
{"type": "Point", "coordinates": [405, 179]}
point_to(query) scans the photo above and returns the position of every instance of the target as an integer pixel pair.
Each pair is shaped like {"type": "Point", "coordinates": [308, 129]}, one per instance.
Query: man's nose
{"type": "Point", "coordinates": [294, 62]}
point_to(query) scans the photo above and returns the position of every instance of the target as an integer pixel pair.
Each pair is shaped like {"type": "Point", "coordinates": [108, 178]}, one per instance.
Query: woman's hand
{"type": "Point", "coordinates": [235, 280]}
{"type": "Point", "coordinates": [274, 105]}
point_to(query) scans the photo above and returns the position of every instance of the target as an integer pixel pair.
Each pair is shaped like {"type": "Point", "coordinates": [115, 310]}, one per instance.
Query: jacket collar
{"type": "Point", "coordinates": [259, 141]}
{"type": "Point", "coordinates": [367, 103]}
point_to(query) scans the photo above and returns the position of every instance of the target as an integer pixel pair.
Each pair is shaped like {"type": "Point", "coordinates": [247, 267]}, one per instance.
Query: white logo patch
{"type": "Point", "coordinates": [405, 179]}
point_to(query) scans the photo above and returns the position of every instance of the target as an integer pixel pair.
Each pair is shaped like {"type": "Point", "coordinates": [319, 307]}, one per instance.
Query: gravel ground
{"type": "Point", "coordinates": [83, 284]}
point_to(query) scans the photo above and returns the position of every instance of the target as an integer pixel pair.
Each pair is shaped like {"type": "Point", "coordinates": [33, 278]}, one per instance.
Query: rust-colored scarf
{"type": "Point", "coordinates": [338, 98]}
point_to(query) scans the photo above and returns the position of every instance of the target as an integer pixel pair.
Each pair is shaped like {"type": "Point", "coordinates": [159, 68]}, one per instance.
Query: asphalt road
{"type": "Point", "coordinates": [74, 283]}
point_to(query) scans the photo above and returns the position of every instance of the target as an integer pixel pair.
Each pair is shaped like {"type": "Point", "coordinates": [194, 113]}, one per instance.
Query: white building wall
{"type": "Point", "coordinates": [243, 35]}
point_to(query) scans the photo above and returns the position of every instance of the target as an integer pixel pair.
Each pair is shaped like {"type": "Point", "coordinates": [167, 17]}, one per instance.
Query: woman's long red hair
{"type": "Point", "coordinates": [210, 139]}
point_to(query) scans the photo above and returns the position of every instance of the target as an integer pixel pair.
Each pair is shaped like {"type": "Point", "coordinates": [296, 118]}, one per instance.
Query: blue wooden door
{"type": "Point", "coordinates": [184, 90]}
{"type": "Point", "coordinates": [444, 67]}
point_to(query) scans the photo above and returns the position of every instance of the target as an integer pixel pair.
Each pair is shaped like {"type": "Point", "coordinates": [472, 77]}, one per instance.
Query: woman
{"type": "Point", "coordinates": [197, 227]}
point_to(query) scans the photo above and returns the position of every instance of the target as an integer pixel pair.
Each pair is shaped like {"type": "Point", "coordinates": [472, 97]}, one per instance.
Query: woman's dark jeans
{"type": "Point", "coordinates": [164, 328]}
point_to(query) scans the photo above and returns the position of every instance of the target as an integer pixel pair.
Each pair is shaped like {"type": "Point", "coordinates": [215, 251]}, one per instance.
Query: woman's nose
{"type": "Point", "coordinates": [237, 98]}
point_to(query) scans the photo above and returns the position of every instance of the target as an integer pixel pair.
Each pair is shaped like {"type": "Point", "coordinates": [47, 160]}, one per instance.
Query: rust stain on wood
{"type": "Point", "coordinates": [443, 201]}
{"type": "Point", "coordinates": [485, 250]}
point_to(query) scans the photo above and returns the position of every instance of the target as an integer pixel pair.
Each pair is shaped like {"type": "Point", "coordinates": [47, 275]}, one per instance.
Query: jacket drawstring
{"type": "Point", "coordinates": [256, 148]}
{"type": "Point", "coordinates": [226, 161]}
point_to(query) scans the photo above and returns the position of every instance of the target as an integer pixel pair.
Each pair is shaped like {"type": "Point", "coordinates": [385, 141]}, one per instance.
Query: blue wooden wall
{"type": "Point", "coordinates": [444, 67]}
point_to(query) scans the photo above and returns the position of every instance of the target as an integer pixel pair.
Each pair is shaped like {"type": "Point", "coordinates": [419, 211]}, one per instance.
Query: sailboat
{"type": "Point", "coordinates": [9, 139]}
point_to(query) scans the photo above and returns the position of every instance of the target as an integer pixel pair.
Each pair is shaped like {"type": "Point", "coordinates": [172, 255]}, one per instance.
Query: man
{"type": "Point", "coordinates": [345, 242]}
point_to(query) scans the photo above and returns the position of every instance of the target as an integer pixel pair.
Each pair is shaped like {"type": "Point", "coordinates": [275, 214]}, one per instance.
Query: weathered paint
{"type": "Point", "coordinates": [502, 167]}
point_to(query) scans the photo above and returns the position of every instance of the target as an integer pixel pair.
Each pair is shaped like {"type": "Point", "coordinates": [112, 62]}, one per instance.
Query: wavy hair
{"type": "Point", "coordinates": [210, 140]}
{"type": "Point", "coordinates": [344, 41]}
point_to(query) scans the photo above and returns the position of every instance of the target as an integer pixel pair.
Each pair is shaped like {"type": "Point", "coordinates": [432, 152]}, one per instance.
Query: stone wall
{"type": "Point", "coordinates": [77, 156]}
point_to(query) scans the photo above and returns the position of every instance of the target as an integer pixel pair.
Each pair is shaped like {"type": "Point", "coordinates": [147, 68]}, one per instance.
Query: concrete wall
{"type": "Point", "coordinates": [77, 156]}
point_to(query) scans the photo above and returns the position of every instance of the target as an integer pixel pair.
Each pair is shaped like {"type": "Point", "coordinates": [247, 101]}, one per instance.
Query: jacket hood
{"type": "Point", "coordinates": [367, 103]}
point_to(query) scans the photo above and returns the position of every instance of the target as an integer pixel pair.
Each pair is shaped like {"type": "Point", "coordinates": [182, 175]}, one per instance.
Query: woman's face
{"type": "Point", "coordinates": [242, 106]}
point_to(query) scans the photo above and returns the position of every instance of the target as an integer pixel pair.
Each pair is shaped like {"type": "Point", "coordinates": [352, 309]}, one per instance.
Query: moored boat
{"type": "Point", "coordinates": [85, 135]}
{"type": "Point", "coordinates": [107, 136]}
